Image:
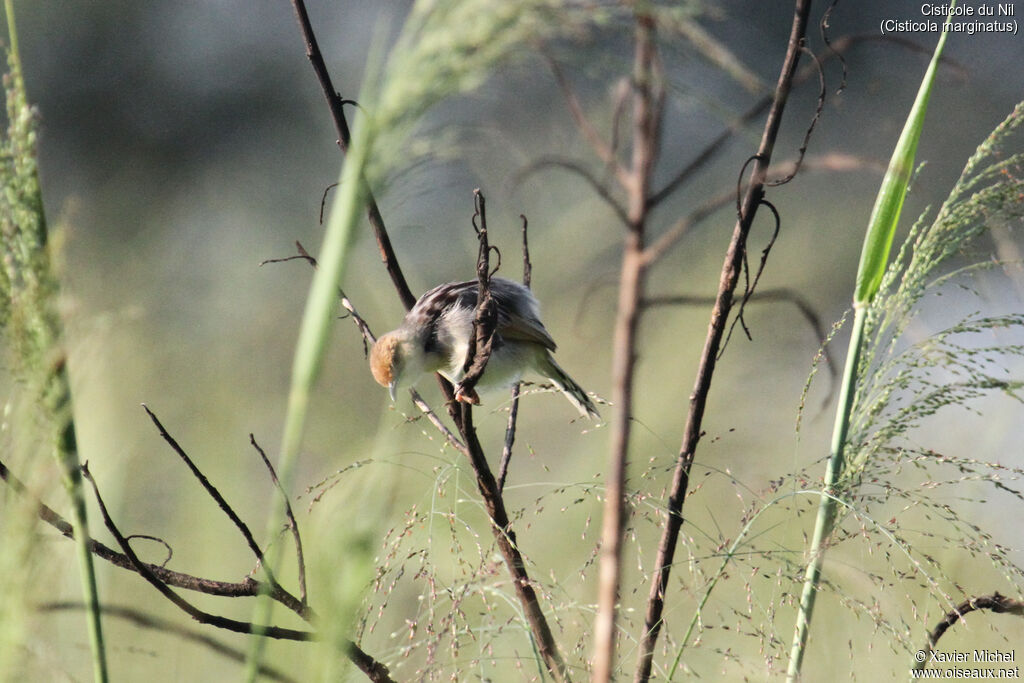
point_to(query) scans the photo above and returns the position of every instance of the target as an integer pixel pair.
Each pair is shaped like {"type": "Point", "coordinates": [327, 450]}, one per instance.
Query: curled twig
{"type": "Point", "coordinates": [810, 127]}
{"type": "Point", "coordinates": [156, 539]}
{"type": "Point", "coordinates": [485, 318]}
{"type": "Point", "coordinates": [1000, 604]}
{"type": "Point", "coordinates": [748, 290]}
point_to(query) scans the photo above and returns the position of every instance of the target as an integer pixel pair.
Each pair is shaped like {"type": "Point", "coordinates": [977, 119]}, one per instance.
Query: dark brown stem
{"type": "Point", "coordinates": [460, 414]}
{"type": "Point", "coordinates": [485, 319]}
{"type": "Point", "coordinates": [242, 527]}
{"type": "Point", "coordinates": [716, 329]}
{"type": "Point", "coordinates": [1000, 604]}
{"type": "Point", "coordinates": [647, 101]}
{"type": "Point", "coordinates": [337, 107]}
{"type": "Point", "coordinates": [505, 538]}
{"type": "Point", "coordinates": [374, 670]}
{"type": "Point", "coordinates": [249, 587]}
{"type": "Point", "coordinates": [838, 48]}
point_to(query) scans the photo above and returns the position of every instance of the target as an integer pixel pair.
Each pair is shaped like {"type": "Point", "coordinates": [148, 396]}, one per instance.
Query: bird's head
{"type": "Point", "coordinates": [390, 359]}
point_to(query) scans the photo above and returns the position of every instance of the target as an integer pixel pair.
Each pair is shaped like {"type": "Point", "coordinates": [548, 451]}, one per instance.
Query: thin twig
{"type": "Point", "coordinates": [249, 587]}
{"type": "Point", "coordinates": [719, 320]}
{"type": "Point", "coordinates": [242, 527]}
{"type": "Point", "coordinates": [433, 418]}
{"type": "Point", "coordinates": [819, 107]}
{"type": "Point", "coordinates": [293, 525]}
{"type": "Point", "coordinates": [748, 290]}
{"type": "Point", "coordinates": [513, 412]}
{"type": "Point", "coordinates": [1000, 604]}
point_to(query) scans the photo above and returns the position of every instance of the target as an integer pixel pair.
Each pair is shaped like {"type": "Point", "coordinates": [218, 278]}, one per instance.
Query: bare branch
{"type": "Point", "coordinates": [215, 494]}
{"type": "Point", "coordinates": [336, 104]}
{"type": "Point", "coordinates": [179, 602]}
{"type": "Point", "coordinates": [810, 127]}
{"type": "Point", "coordinates": [505, 538]}
{"type": "Point", "coordinates": [248, 588]}
{"type": "Point", "coordinates": [485, 319]}
{"type": "Point", "coordinates": [513, 412]}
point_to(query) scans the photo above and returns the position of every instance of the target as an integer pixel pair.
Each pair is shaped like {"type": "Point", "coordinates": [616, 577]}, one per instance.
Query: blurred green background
{"type": "Point", "coordinates": [184, 143]}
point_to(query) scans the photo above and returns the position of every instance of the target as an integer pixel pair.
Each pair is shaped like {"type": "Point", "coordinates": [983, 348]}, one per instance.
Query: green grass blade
{"type": "Point", "coordinates": [885, 215]}
{"type": "Point", "coordinates": [28, 303]}
{"type": "Point", "coordinates": [314, 332]}
{"type": "Point", "coordinates": [874, 260]}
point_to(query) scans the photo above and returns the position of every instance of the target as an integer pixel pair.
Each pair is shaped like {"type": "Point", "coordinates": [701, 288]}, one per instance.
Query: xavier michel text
{"type": "Point", "coordinates": [975, 656]}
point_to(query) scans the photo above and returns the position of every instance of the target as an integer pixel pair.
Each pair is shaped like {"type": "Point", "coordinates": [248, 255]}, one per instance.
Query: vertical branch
{"type": "Point", "coordinates": [513, 412]}
{"type": "Point", "coordinates": [490, 490]}
{"type": "Point", "coordinates": [646, 116]}
{"type": "Point", "coordinates": [716, 328]}
{"type": "Point", "coordinates": [509, 548]}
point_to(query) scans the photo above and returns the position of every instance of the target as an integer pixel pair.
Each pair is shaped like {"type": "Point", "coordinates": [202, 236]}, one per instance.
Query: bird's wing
{"type": "Point", "coordinates": [518, 311]}
{"type": "Point", "coordinates": [519, 314]}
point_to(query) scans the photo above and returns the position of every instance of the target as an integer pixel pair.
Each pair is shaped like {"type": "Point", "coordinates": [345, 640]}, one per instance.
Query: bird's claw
{"type": "Point", "coordinates": [467, 396]}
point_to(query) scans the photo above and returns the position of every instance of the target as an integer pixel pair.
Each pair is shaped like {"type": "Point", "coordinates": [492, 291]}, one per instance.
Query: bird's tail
{"type": "Point", "coordinates": [567, 385]}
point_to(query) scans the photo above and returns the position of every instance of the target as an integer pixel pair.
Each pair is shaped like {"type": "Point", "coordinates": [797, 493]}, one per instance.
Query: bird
{"type": "Point", "coordinates": [435, 334]}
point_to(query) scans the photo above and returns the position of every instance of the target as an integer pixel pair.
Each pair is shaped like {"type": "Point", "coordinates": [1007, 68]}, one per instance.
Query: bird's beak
{"type": "Point", "coordinates": [393, 390]}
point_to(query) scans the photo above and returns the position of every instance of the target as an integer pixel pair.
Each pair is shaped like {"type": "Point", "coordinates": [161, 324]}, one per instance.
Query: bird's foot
{"type": "Point", "coordinates": [467, 396]}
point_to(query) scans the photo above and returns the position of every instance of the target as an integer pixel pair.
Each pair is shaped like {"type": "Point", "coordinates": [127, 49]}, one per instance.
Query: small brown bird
{"type": "Point", "coordinates": [434, 337]}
